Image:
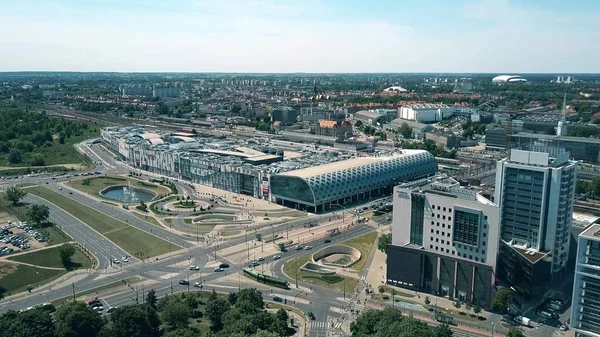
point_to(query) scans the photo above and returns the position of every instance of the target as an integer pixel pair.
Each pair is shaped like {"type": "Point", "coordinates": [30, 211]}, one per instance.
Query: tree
{"type": "Point", "coordinates": [14, 195]}
{"type": "Point", "coordinates": [38, 213]}
{"type": "Point", "coordinates": [515, 332]}
{"type": "Point", "coordinates": [249, 300]}
{"type": "Point", "coordinates": [174, 312]}
{"type": "Point", "coordinates": [184, 332]}
{"type": "Point", "coordinates": [29, 323]}
{"type": "Point", "coordinates": [427, 300]}
{"type": "Point", "coordinates": [143, 206]}
{"type": "Point", "coordinates": [405, 130]}
{"type": "Point", "coordinates": [66, 251]}
{"type": "Point", "coordinates": [384, 241]}
{"type": "Point", "coordinates": [442, 330]}
{"type": "Point", "coordinates": [76, 319]}
{"type": "Point", "coordinates": [61, 138]}
{"type": "Point", "coordinates": [215, 308]}
{"type": "Point", "coordinates": [135, 321]}
{"type": "Point", "coordinates": [151, 298]}
{"type": "Point", "coordinates": [457, 304]}
{"type": "Point", "coordinates": [502, 300]}
{"type": "Point", "coordinates": [381, 289]}
{"type": "Point", "coordinates": [15, 156]}
{"type": "Point", "coordinates": [37, 160]}
{"type": "Point", "coordinates": [235, 109]}
{"type": "Point", "coordinates": [358, 124]}
{"type": "Point", "coordinates": [476, 309]}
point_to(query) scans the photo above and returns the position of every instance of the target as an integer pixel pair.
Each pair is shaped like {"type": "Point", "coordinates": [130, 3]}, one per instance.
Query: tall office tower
{"type": "Point", "coordinates": [444, 240]}
{"type": "Point", "coordinates": [585, 307]}
{"type": "Point", "coordinates": [535, 194]}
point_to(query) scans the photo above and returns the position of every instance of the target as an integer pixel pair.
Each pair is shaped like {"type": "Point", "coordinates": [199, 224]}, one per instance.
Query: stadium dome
{"type": "Point", "coordinates": [508, 79]}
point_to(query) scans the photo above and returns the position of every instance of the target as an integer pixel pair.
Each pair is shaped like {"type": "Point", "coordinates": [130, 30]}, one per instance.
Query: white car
{"type": "Point", "coordinates": [194, 268]}
{"type": "Point", "coordinates": [125, 259]}
{"type": "Point", "coordinates": [218, 270]}
{"type": "Point", "coordinates": [276, 257]}
{"type": "Point", "coordinates": [198, 285]}
{"type": "Point", "coordinates": [116, 261]}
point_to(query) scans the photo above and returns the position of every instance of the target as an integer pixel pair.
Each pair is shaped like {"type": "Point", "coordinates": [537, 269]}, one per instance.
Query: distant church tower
{"type": "Point", "coordinates": [561, 130]}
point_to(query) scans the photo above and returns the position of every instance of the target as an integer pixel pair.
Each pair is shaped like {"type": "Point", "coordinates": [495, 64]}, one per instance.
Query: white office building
{"type": "Point", "coordinates": [444, 240]}
{"type": "Point", "coordinates": [535, 193]}
{"type": "Point", "coordinates": [585, 308]}
{"type": "Point", "coordinates": [425, 113]}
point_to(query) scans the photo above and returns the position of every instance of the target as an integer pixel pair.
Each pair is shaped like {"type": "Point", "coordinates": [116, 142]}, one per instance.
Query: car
{"type": "Point", "coordinates": [60, 188]}
{"type": "Point", "coordinates": [116, 261]}
{"type": "Point", "coordinates": [194, 267]}
{"type": "Point", "coordinates": [70, 192]}
{"type": "Point", "coordinates": [98, 308]}
{"type": "Point", "coordinates": [277, 299]}
{"type": "Point", "coordinates": [260, 259]}
{"type": "Point", "coordinates": [308, 248]}
{"type": "Point", "coordinates": [327, 241]}
{"type": "Point", "coordinates": [184, 282]}
{"type": "Point", "coordinates": [198, 285]}
{"type": "Point", "coordinates": [218, 270]}
{"type": "Point", "coordinates": [563, 327]}
{"type": "Point", "coordinates": [224, 265]}
{"type": "Point", "coordinates": [111, 309]}
{"type": "Point", "coordinates": [311, 315]}
{"type": "Point", "coordinates": [125, 259]}
{"type": "Point", "coordinates": [255, 263]}
{"type": "Point", "coordinates": [299, 247]}
{"type": "Point", "coordinates": [276, 257]}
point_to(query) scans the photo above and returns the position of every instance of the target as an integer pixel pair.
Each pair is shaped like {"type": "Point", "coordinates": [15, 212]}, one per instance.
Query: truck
{"type": "Point", "coordinates": [523, 321]}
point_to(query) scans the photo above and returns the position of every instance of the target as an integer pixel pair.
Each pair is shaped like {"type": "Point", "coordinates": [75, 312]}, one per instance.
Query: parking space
{"type": "Point", "coordinates": [19, 236]}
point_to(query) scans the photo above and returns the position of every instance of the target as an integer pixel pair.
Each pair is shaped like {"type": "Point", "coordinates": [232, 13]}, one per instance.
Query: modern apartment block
{"type": "Point", "coordinates": [535, 193]}
{"type": "Point", "coordinates": [585, 309]}
{"type": "Point", "coordinates": [444, 240]}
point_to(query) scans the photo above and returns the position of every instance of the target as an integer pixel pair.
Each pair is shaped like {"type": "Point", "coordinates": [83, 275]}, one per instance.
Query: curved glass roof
{"type": "Point", "coordinates": [331, 185]}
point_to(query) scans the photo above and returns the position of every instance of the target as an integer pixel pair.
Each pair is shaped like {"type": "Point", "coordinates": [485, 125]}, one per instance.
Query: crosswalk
{"type": "Point", "coordinates": [321, 325]}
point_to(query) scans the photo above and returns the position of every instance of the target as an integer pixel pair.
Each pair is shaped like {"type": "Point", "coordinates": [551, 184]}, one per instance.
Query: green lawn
{"type": "Point", "coordinates": [127, 237]}
{"type": "Point", "coordinates": [54, 235]}
{"type": "Point", "coordinates": [148, 219]}
{"type": "Point", "coordinates": [14, 278]}
{"type": "Point", "coordinates": [134, 241]}
{"type": "Point", "coordinates": [51, 258]}
{"type": "Point", "coordinates": [338, 282]}
{"type": "Point", "coordinates": [364, 244]}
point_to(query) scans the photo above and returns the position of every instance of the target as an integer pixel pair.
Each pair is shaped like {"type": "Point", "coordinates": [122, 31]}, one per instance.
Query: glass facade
{"type": "Point", "coordinates": [416, 218]}
{"type": "Point", "coordinates": [522, 205]}
{"type": "Point", "coordinates": [585, 312]}
{"type": "Point", "coordinates": [466, 227]}
{"type": "Point", "coordinates": [333, 186]}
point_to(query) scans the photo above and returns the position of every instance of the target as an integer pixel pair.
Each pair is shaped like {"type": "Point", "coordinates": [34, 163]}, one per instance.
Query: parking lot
{"type": "Point", "coordinates": [19, 236]}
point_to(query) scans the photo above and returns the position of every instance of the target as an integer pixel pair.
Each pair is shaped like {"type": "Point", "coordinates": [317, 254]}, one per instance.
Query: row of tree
{"type": "Point", "coordinates": [592, 187]}
{"type": "Point", "coordinates": [241, 314]}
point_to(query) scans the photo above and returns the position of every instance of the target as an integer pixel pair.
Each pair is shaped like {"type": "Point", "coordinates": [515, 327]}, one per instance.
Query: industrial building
{"type": "Point", "coordinates": [372, 117]}
{"type": "Point", "coordinates": [323, 187]}
{"type": "Point", "coordinates": [248, 166]}
{"type": "Point", "coordinates": [418, 129]}
{"type": "Point", "coordinates": [444, 240]}
{"type": "Point", "coordinates": [535, 193]}
{"type": "Point", "coordinates": [425, 113]}
{"type": "Point", "coordinates": [585, 305]}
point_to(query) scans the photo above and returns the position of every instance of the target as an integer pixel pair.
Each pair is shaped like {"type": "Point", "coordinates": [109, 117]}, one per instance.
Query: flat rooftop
{"type": "Point", "coordinates": [592, 232]}
{"type": "Point", "coordinates": [554, 137]}
{"type": "Point", "coordinates": [345, 165]}
{"type": "Point", "coordinates": [444, 185]}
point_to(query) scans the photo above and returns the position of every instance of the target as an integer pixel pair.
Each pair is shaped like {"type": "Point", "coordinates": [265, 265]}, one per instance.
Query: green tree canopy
{"type": "Point", "coordinates": [502, 300]}
{"type": "Point", "coordinates": [14, 195]}
{"type": "Point", "coordinates": [38, 213]}
{"type": "Point", "coordinates": [174, 312]}
{"type": "Point", "coordinates": [384, 241]}
{"type": "Point", "coordinates": [76, 319]}
{"type": "Point", "coordinates": [66, 251]}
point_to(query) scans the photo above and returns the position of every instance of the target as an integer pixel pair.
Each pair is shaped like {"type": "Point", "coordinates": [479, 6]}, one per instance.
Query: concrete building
{"type": "Point", "coordinates": [285, 115]}
{"type": "Point", "coordinates": [322, 187]}
{"type": "Point", "coordinates": [447, 141]}
{"type": "Point", "coordinates": [425, 113]}
{"type": "Point", "coordinates": [419, 129]}
{"type": "Point", "coordinates": [495, 138]}
{"type": "Point", "coordinates": [166, 92]}
{"type": "Point", "coordinates": [586, 149]}
{"type": "Point", "coordinates": [445, 240]}
{"type": "Point", "coordinates": [535, 193]}
{"type": "Point", "coordinates": [370, 117]}
{"type": "Point", "coordinates": [585, 305]}
{"type": "Point", "coordinates": [137, 91]}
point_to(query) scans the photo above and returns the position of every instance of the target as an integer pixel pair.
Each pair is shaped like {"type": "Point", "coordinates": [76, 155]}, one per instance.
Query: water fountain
{"type": "Point", "coordinates": [129, 193]}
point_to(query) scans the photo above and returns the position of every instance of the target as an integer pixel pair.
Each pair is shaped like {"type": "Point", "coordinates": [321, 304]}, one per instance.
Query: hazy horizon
{"type": "Point", "coordinates": [312, 37]}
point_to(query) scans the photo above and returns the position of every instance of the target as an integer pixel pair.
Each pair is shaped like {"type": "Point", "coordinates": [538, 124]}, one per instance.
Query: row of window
{"type": "Point", "coordinates": [441, 208]}
{"type": "Point", "coordinates": [443, 224]}
{"type": "Point", "coordinates": [464, 255]}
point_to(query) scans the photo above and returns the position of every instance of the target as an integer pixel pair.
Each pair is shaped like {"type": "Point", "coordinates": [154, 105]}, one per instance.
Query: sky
{"type": "Point", "coordinates": [329, 36]}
